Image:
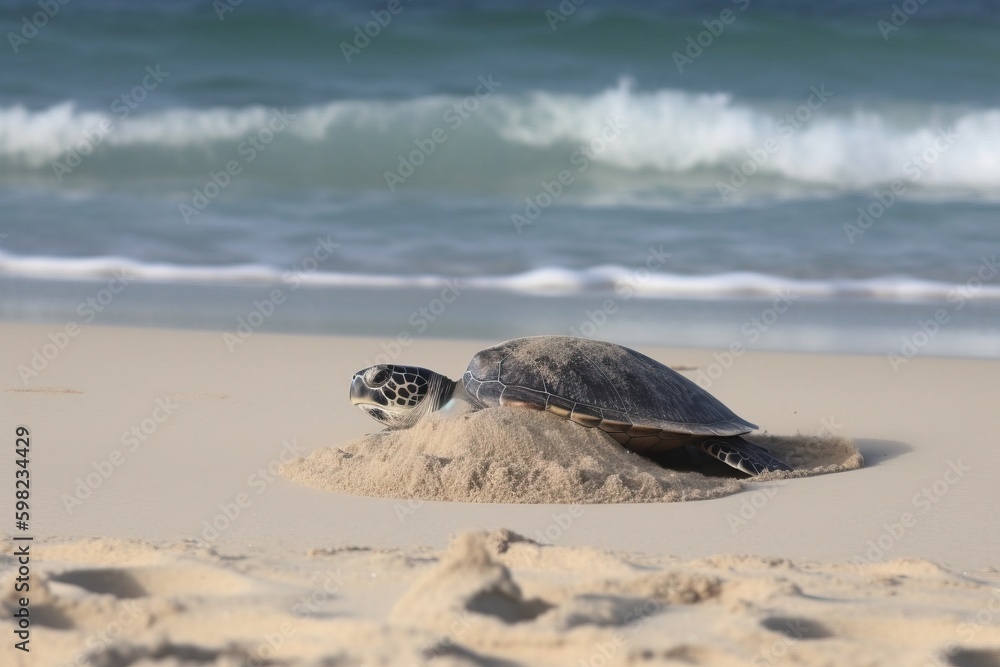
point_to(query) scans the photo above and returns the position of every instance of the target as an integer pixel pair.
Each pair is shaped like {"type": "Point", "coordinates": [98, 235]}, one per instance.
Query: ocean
{"type": "Point", "coordinates": [742, 174]}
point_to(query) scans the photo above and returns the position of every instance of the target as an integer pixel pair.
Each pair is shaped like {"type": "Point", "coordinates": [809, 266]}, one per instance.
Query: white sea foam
{"type": "Point", "coordinates": [543, 281]}
{"type": "Point", "coordinates": [676, 131]}
{"type": "Point", "coordinates": [666, 132]}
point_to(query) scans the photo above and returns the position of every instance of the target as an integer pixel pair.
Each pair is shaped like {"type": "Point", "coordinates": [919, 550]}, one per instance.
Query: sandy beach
{"type": "Point", "coordinates": [214, 214]}
{"type": "Point", "coordinates": [165, 533]}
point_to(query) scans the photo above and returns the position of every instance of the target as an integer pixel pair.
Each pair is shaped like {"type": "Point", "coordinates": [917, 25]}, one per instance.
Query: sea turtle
{"type": "Point", "coordinates": [643, 405]}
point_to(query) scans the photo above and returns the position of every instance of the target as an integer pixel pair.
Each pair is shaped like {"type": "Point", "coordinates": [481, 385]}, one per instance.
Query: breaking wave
{"type": "Point", "coordinates": [541, 282]}
{"type": "Point", "coordinates": [671, 137]}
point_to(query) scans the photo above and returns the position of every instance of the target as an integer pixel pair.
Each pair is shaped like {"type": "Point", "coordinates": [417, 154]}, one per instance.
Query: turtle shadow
{"type": "Point", "coordinates": [877, 452]}
{"type": "Point", "coordinates": [693, 459]}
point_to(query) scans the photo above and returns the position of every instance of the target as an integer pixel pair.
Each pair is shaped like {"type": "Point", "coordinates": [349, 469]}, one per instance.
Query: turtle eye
{"type": "Point", "coordinates": [380, 378]}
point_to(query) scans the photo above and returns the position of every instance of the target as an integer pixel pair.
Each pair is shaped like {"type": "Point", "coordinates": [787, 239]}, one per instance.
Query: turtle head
{"type": "Point", "coordinates": [398, 396]}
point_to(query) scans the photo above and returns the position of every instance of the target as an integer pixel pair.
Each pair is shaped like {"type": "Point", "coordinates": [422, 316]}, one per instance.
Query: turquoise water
{"type": "Point", "coordinates": [690, 162]}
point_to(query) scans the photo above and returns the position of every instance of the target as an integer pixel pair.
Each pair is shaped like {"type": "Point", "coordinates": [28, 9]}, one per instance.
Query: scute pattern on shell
{"type": "Point", "coordinates": [596, 383]}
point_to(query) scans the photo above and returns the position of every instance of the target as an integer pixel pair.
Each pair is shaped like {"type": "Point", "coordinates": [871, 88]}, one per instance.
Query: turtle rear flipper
{"type": "Point", "coordinates": [743, 455]}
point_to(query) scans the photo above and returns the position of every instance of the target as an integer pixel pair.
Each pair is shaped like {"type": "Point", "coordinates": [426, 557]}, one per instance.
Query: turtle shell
{"type": "Point", "coordinates": [596, 383]}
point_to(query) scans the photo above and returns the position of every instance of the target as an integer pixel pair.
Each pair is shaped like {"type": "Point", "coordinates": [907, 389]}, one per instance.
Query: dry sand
{"type": "Point", "coordinates": [508, 455]}
{"type": "Point", "coordinates": [192, 549]}
{"type": "Point", "coordinates": [498, 599]}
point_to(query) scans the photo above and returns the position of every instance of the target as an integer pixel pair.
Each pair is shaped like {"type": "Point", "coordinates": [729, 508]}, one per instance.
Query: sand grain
{"type": "Point", "coordinates": [502, 455]}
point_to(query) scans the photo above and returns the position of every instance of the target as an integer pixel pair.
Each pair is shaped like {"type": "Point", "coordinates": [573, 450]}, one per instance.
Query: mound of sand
{"type": "Point", "coordinates": [505, 455]}
{"type": "Point", "coordinates": [467, 579]}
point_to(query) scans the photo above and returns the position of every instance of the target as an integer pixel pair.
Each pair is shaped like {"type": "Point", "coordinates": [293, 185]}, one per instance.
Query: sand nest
{"type": "Point", "coordinates": [502, 455]}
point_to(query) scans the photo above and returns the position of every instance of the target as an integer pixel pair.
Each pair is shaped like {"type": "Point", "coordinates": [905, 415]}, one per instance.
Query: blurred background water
{"type": "Point", "coordinates": [673, 173]}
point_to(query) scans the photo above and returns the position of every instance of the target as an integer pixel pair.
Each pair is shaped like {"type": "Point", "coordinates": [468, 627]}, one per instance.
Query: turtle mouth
{"type": "Point", "coordinates": [357, 389]}
{"type": "Point", "coordinates": [362, 394]}
{"type": "Point", "coordinates": [375, 413]}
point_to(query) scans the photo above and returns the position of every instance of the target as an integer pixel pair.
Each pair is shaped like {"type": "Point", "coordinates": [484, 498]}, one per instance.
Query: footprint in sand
{"type": "Point", "coordinates": [797, 628]}
{"type": "Point", "coordinates": [176, 581]}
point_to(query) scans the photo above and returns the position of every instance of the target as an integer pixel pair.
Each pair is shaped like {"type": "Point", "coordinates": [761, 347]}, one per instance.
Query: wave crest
{"type": "Point", "coordinates": [544, 281]}
{"type": "Point", "coordinates": [672, 138]}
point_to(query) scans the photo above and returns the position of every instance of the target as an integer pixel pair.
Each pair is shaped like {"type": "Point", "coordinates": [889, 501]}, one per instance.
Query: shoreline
{"type": "Point", "coordinates": [764, 323]}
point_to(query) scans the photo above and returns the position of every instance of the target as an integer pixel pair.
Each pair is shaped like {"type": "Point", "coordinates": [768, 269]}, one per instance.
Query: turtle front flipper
{"type": "Point", "coordinates": [743, 455]}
